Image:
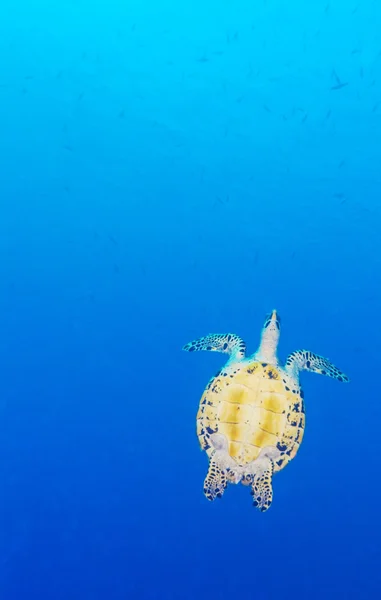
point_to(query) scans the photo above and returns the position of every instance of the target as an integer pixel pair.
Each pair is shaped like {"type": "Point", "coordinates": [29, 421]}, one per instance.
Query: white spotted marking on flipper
{"type": "Point", "coordinates": [215, 482]}
{"type": "Point", "coordinates": [308, 361]}
{"type": "Point", "coordinates": [262, 490]}
{"type": "Point", "coordinates": [228, 343]}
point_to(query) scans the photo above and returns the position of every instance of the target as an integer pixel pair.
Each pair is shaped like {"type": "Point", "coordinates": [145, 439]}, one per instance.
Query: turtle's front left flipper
{"type": "Point", "coordinates": [308, 361]}
{"type": "Point", "coordinates": [215, 482]}
{"type": "Point", "coordinates": [229, 343]}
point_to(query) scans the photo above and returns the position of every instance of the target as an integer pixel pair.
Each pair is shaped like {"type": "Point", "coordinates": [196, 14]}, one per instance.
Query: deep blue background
{"type": "Point", "coordinates": [170, 169]}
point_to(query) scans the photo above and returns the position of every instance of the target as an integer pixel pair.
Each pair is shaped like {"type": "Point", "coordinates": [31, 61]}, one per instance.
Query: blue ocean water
{"type": "Point", "coordinates": [169, 170]}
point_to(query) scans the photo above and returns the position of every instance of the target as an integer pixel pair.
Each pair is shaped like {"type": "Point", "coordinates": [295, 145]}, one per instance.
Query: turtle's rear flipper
{"type": "Point", "coordinates": [215, 482]}
{"type": "Point", "coordinates": [308, 361]}
{"type": "Point", "coordinates": [262, 489]}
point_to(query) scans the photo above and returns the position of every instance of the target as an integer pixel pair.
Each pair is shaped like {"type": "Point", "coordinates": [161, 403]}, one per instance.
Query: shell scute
{"type": "Point", "coordinates": [271, 422]}
{"type": "Point", "coordinates": [273, 402]}
{"type": "Point", "coordinates": [234, 432]}
{"type": "Point", "coordinates": [235, 412]}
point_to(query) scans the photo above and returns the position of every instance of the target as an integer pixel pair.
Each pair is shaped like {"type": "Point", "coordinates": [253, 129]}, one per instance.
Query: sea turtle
{"type": "Point", "coordinates": [251, 416]}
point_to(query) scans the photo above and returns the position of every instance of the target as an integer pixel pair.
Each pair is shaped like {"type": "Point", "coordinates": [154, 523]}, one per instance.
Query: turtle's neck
{"type": "Point", "coordinates": [267, 351]}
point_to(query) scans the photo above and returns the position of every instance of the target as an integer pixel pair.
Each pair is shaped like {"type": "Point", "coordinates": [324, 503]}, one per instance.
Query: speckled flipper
{"type": "Point", "coordinates": [308, 361]}
{"type": "Point", "coordinates": [215, 482]}
{"type": "Point", "coordinates": [262, 489]}
{"type": "Point", "coordinates": [229, 343]}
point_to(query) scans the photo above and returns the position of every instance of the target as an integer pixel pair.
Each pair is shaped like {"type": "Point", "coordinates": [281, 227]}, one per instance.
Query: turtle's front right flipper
{"type": "Point", "coordinates": [229, 343]}
{"type": "Point", "coordinates": [308, 361]}
{"type": "Point", "coordinates": [215, 482]}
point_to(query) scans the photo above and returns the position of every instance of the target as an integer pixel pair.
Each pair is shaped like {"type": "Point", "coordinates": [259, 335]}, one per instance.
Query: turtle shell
{"type": "Point", "coordinates": [254, 405]}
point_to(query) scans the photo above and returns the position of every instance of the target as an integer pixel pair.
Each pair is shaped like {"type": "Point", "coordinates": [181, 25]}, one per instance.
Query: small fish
{"type": "Point", "coordinates": [113, 241]}
{"type": "Point", "coordinates": [339, 84]}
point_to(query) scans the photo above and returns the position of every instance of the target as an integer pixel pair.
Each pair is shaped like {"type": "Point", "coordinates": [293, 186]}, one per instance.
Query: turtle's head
{"type": "Point", "coordinates": [272, 322]}
{"type": "Point", "coordinates": [269, 338]}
